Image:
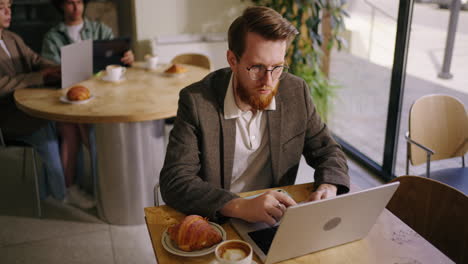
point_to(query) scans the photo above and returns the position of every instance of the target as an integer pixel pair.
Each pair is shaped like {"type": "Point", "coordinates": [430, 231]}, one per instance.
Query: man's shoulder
{"type": "Point", "coordinates": [55, 31]}
{"type": "Point", "coordinates": [292, 80]}
{"type": "Point", "coordinates": [96, 25]}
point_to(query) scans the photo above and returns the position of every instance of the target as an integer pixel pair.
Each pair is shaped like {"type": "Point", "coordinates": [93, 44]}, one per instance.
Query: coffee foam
{"type": "Point", "coordinates": [234, 251]}
{"type": "Point", "coordinates": [234, 254]}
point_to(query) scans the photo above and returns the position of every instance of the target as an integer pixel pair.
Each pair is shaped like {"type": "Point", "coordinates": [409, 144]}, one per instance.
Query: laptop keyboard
{"type": "Point", "coordinates": [264, 237]}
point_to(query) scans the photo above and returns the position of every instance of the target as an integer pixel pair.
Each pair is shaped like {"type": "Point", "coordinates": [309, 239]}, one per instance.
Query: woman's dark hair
{"type": "Point", "coordinates": [260, 20]}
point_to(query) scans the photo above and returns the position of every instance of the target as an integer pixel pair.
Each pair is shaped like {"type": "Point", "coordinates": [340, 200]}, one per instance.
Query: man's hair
{"type": "Point", "coordinates": [263, 21]}
{"type": "Point", "coordinates": [59, 3]}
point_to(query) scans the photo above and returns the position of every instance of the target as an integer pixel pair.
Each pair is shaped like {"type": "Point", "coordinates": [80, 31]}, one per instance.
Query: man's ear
{"type": "Point", "coordinates": [232, 59]}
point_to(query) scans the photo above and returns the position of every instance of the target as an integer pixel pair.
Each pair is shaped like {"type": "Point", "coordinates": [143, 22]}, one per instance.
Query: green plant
{"type": "Point", "coordinates": [319, 23]}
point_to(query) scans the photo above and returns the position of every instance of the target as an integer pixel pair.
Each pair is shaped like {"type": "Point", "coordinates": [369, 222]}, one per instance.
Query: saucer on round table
{"type": "Point", "coordinates": [64, 99]}
{"type": "Point", "coordinates": [106, 79]}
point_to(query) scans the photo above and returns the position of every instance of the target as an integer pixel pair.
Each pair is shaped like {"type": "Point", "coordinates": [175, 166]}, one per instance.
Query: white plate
{"type": "Point", "coordinates": [105, 78]}
{"type": "Point", "coordinates": [170, 246]}
{"type": "Point", "coordinates": [64, 99]}
{"type": "Point", "coordinates": [217, 262]}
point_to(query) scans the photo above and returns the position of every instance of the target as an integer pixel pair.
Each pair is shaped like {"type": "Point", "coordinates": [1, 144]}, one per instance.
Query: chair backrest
{"type": "Point", "coordinates": [193, 59]}
{"type": "Point", "coordinates": [439, 122]}
{"type": "Point", "coordinates": [436, 211]}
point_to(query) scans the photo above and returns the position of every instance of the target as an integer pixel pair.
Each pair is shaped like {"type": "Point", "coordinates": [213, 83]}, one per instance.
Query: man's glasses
{"type": "Point", "coordinates": [257, 72]}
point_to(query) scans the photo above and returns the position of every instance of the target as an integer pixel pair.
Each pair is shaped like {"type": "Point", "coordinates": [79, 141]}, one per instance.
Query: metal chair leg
{"type": "Point", "coordinates": [407, 157]}
{"type": "Point", "coordinates": [24, 164]}
{"type": "Point", "coordinates": [428, 166]}
{"type": "Point", "coordinates": [36, 185]}
{"type": "Point", "coordinates": [156, 194]}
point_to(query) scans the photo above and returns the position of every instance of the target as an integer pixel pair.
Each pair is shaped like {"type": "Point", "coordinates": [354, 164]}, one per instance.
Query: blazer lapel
{"type": "Point", "coordinates": [228, 128]}
{"type": "Point", "coordinates": [274, 129]}
{"type": "Point", "coordinates": [228, 131]}
{"type": "Point", "coordinates": [16, 57]}
{"type": "Point", "coordinates": [7, 62]}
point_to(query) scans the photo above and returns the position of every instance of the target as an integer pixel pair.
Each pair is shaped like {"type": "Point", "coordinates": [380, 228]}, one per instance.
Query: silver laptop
{"type": "Point", "coordinates": [317, 225]}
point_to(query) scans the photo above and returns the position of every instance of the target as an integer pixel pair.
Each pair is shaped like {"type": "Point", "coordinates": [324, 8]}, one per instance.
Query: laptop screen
{"type": "Point", "coordinates": [106, 52]}
{"type": "Point", "coordinates": [264, 237]}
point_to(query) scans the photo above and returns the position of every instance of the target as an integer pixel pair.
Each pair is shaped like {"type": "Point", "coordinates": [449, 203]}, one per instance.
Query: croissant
{"type": "Point", "coordinates": [78, 93]}
{"type": "Point", "coordinates": [176, 68]}
{"type": "Point", "coordinates": [194, 233]}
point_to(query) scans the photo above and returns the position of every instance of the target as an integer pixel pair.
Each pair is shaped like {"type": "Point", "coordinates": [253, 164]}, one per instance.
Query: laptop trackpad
{"type": "Point", "coordinates": [263, 238]}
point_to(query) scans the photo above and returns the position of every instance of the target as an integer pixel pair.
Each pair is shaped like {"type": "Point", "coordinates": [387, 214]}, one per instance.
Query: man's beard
{"type": "Point", "coordinates": [253, 98]}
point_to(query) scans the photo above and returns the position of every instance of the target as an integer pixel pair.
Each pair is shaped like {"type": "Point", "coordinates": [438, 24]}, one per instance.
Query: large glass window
{"type": "Point", "coordinates": [363, 73]}
{"type": "Point", "coordinates": [425, 60]}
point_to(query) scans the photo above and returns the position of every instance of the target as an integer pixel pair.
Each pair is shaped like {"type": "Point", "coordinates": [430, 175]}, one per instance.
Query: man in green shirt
{"type": "Point", "coordinates": [75, 28]}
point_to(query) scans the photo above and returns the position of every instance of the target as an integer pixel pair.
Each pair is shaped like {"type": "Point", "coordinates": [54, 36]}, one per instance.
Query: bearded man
{"type": "Point", "coordinates": [245, 128]}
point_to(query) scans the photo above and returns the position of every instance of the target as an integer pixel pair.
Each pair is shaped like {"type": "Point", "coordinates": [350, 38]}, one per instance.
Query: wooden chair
{"type": "Point", "coordinates": [7, 144]}
{"type": "Point", "coordinates": [193, 59]}
{"type": "Point", "coordinates": [438, 129]}
{"type": "Point", "coordinates": [436, 211]}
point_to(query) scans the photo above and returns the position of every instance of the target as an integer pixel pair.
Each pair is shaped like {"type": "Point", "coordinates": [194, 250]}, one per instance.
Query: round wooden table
{"type": "Point", "coordinates": [129, 129]}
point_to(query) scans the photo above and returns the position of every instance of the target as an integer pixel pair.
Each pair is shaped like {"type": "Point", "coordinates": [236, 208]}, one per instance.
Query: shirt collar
{"type": "Point", "coordinates": [63, 28]}
{"type": "Point", "coordinates": [231, 110]}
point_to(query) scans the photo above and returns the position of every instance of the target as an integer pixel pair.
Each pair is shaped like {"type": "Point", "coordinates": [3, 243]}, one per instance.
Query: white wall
{"type": "Point", "coordinates": [172, 17]}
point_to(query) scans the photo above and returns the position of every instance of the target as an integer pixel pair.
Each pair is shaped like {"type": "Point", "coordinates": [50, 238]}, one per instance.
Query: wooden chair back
{"type": "Point", "coordinates": [440, 123]}
{"type": "Point", "coordinates": [436, 211]}
{"type": "Point", "coordinates": [193, 59]}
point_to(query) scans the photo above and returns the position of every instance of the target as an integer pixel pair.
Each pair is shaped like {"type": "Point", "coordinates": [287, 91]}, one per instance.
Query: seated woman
{"type": "Point", "coordinates": [20, 67]}
{"type": "Point", "coordinates": [75, 28]}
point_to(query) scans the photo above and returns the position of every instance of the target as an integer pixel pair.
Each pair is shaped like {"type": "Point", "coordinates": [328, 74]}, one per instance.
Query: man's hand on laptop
{"type": "Point", "coordinates": [268, 207]}
{"type": "Point", "coordinates": [324, 191]}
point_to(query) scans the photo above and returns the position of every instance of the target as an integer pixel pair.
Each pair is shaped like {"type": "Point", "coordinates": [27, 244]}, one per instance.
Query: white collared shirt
{"type": "Point", "coordinates": [252, 163]}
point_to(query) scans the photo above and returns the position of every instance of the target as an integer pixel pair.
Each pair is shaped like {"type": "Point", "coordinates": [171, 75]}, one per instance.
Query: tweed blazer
{"type": "Point", "coordinates": [19, 71]}
{"type": "Point", "coordinates": [196, 175]}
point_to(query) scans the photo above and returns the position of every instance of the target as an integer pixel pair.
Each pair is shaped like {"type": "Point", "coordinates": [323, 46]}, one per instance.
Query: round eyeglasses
{"type": "Point", "coordinates": [257, 72]}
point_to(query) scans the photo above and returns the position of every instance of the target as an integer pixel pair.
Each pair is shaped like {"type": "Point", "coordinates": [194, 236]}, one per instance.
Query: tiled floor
{"type": "Point", "coordinates": [68, 235]}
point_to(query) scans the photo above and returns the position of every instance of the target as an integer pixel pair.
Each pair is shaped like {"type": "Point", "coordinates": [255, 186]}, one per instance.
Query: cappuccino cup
{"type": "Point", "coordinates": [234, 252]}
{"type": "Point", "coordinates": [115, 72]}
{"type": "Point", "coordinates": [151, 61]}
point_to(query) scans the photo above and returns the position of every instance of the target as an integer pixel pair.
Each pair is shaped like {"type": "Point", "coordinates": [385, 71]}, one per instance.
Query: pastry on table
{"type": "Point", "coordinates": [176, 68]}
{"type": "Point", "coordinates": [78, 93]}
{"type": "Point", "coordinates": [194, 233]}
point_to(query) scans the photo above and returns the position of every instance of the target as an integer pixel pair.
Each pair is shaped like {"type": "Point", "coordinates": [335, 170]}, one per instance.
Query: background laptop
{"type": "Point", "coordinates": [106, 52]}
{"type": "Point", "coordinates": [313, 226]}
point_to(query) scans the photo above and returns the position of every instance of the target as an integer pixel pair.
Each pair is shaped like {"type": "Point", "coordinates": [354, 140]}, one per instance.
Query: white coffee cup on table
{"type": "Point", "coordinates": [151, 61]}
{"type": "Point", "coordinates": [234, 252]}
{"type": "Point", "coordinates": [115, 72]}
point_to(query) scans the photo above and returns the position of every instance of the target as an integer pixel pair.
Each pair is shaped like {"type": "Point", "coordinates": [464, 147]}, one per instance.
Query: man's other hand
{"type": "Point", "coordinates": [128, 58]}
{"type": "Point", "coordinates": [268, 207]}
{"type": "Point", "coordinates": [51, 75]}
{"type": "Point", "coordinates": [324, 191]}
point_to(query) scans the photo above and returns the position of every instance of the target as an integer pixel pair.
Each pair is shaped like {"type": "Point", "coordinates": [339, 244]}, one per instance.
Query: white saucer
{"type": "Point", "coordinates": [105, 78]}
{"type": "Point", "coordinates": [170, 246]}
{"type": "Point", "coordinates": [64, 99]}
{"type": "Point", "coordinates": [217, 262]}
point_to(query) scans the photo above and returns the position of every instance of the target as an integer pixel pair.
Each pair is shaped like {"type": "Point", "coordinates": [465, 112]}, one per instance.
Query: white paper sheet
{"type": "Point", "coordinates": [77, 62]}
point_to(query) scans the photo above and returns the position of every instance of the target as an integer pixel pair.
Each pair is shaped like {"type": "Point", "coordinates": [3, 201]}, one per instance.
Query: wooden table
{"type": "Point", "coordinates": [389, 241]}
{"type": "Point", "coordinates": [129, 142]}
